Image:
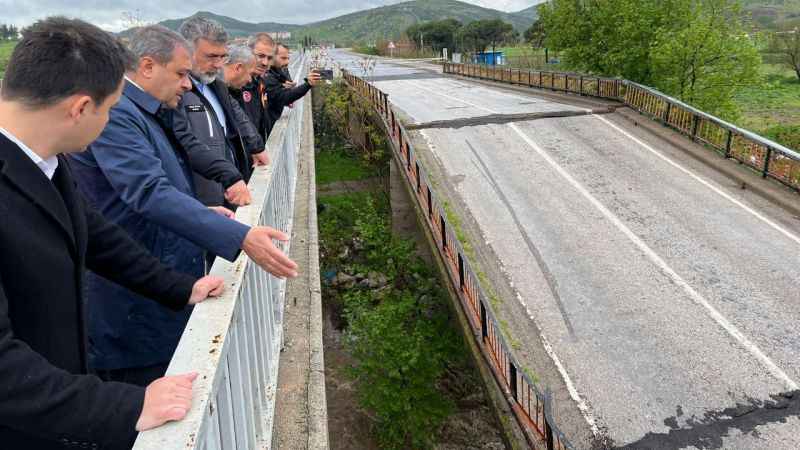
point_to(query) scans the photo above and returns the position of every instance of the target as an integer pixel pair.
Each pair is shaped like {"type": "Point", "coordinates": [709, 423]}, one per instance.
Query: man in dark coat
{"type": "Point", "coordinates": [252, 97]}
{"type": "Point", "coordinates": [279, 90]}
{"type": "Point", "coordinates": [49, 236]}
{"type": "Point", "coordinates": [137, 175]}
{"type": "Point", "coordinates": [211, 114]}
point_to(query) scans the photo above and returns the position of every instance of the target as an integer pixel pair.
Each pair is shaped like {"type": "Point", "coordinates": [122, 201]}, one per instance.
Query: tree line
{"type": "Point", "coordinates": [699, 51]}
{"type": "Point", "coordinates": [8, 32]}
{"type": "Point", "coordinates": [476, 36]}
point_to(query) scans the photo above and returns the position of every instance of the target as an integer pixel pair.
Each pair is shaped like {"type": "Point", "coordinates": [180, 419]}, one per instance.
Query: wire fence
{"type": "Point", "coordinates": [529, 401]}
{"type": "Point", "coordinates": [770, 159]}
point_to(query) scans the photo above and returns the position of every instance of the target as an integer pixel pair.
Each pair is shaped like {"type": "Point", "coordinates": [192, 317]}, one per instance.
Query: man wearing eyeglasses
{"type": "Point", "coordinates": [252, 97]}
{"type": "Point", "coordinates": [210, 113]}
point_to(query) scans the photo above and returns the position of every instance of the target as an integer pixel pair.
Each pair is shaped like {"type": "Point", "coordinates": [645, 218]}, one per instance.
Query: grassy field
{"type": "Point", "coordinates": [336, 165]}
{"type": "Point", "coordinates": [526, 57]}
{"type": "Point", "coordinates": [6, 47]}
{"type": "Point", "coordinates": [773, 109]}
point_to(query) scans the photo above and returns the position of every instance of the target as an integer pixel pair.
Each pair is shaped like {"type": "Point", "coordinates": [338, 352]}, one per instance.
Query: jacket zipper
{"type": "Point", "coordinates": [210, 126]}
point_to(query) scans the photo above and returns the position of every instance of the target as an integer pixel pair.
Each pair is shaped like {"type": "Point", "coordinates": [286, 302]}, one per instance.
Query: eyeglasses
{"type": "Point", "coordinates": [214, 57]}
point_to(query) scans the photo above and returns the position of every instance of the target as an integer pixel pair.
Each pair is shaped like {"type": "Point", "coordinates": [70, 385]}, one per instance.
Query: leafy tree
{"type": "Point", "coordinates": [471, 39]}
{"type": "Point", "coordinates": [480, 34]}
{"type": "Point", "coordinates": [535, 35]}
{"type": "Point", "coordinates": [706, 57]}
{"type": "Point", "coordinates": [610, 37]}
{"type": "Point", "coordinates": [786, 44]}
{"type": "Point", "coordinates": [437, 34]}
{"type": "Point", "coordinates": [696, 50]}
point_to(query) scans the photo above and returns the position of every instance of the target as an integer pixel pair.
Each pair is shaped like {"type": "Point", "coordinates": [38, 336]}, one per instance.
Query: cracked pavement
{"type": "Point", "coordinates": [651, 293]}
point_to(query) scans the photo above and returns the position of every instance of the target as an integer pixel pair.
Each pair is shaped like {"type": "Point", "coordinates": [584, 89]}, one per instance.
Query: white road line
{"type": "Point", "coordinates": [705, 183]}
{"type": "Point", "coordinates": [580, 402]}
{"type": "Point", "coordinates": [734, 332]}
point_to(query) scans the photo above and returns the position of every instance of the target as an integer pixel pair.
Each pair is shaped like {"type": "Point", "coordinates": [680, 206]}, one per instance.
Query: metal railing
{"type": "Point", "coordinates": [769, 158]}
{"type": "Point", "coordinates": [530, 404]}
{"type": "Point", "coordinates": [234, 342]}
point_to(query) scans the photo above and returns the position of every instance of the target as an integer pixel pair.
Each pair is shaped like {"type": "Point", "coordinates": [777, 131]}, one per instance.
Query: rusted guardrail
{"type": "Point", "coordinates": [531, 405]}
{"type": "Point", "coordinates": [769, 158]}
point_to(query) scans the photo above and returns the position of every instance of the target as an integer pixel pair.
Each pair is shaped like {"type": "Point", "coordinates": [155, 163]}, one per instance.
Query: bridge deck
{"type": "Point", "coordinates": [659, 295]}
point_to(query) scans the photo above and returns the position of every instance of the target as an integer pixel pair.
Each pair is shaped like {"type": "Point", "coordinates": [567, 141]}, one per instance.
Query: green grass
{"type": "Point", "coordinates": [773, 108]}
{"type": "Point", "coordinates": [338, 165]}
{"type": "Point", "coordinates": [520, 51]}
{"type": "Point", "coordinates": [527, 57]}
{"type": "Point", "coordinates": [6, 47]}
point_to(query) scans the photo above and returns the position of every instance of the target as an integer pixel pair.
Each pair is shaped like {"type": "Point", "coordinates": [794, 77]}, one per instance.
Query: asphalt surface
{"type": "Point", "coordinates": [668, 297]}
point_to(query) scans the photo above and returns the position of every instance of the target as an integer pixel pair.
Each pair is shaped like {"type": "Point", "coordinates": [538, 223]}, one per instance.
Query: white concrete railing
{"type": "Point", "coordinates": [234, 342]}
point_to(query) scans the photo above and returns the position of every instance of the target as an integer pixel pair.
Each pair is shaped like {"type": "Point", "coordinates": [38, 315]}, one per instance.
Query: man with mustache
{"type": "Point", "coordinates": [211, 114]}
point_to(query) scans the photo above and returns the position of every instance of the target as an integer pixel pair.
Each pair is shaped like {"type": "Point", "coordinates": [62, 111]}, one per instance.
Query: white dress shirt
{"type": "Point", "coordinates": [48, 165]}
{"type": "Point", "coordinates": [209, 94]}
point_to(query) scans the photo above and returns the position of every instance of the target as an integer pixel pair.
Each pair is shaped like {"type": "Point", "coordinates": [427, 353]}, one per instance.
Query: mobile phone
{"type": "Point", "coordinates": [325, 74]}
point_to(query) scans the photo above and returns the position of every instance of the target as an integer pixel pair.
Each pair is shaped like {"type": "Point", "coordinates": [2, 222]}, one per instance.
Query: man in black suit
{"type": "Point", "coordinates": [49, 237]}
{"type": "Point", "coordinates": [281, 90]}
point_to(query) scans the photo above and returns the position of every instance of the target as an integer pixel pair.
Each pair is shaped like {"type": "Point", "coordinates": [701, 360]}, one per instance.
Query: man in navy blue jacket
{"type": "Point", "coordinates": [137, 175]}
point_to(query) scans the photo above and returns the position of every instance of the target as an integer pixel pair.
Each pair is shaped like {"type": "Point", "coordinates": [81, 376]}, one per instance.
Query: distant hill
{"type": "Point", "coordinates": [386, 22]}
{"type": "Point", "coordinates": [769, 13]}
{"type": "Point", "coordinates": [389, 22]}
{"type": "Point", "coordinates": [236, 28]}
{"type": "Point", "coordinates": [530, 12]}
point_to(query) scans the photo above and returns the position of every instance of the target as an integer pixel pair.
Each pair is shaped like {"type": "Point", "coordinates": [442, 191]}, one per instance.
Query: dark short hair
{"type": "Point", "coordinates": [59, 57]}
{"type": "Point", "coordinates": [281, 44]}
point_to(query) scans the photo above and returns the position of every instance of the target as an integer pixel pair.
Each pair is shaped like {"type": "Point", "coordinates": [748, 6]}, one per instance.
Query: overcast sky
{"type": "Point", "coordinates": [108, 14]}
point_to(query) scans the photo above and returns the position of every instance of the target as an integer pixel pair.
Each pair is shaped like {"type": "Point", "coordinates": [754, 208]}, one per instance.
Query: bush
{"type": "Point", "coordinates": [398, 334]}
{"type": "Point", "coordinates": [345, 113]}
{"type": "Point", "coordinates": [366, 50]}
{"type": "Point", "coordinates": [788, 135]}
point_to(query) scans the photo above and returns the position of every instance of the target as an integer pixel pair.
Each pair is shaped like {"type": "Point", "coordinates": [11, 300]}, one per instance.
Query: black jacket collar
{"type": "Point", "coordinates": [221, 91]}
{"type": "Point", "coordinates": [30, 181]}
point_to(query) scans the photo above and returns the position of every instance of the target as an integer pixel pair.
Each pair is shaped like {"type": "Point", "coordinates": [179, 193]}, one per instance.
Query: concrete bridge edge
{"type": "Point", "coordinates": [301, 407]}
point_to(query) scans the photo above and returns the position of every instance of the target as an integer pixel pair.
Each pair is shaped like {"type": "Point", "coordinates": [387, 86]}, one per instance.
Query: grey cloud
{"type": "Point", "coordinates": [108, 14]}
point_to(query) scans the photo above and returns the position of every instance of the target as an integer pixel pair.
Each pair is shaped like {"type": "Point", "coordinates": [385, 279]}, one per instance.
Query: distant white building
{"type": "Point", "coordinates": [280, 35]}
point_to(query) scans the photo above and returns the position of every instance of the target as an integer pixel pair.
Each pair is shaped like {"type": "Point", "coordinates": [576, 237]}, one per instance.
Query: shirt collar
{"type": "Point", "coordinates": [138, 95]}
{"type": "Point", "coordinates": [48, 166]}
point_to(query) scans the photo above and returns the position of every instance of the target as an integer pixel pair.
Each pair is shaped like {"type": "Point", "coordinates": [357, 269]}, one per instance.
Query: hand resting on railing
{"type": "Point", "coordinates": [170, 398]}
{"type": "Point", "coordinates": [238, 194]}
{"type": "Point", "coordinates": [166, 399]}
